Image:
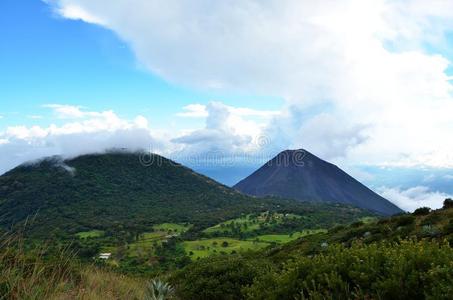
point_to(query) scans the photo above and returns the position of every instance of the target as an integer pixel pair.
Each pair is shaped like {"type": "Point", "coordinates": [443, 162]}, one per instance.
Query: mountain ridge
{"type": "Point", "coordinates": [124, 192]}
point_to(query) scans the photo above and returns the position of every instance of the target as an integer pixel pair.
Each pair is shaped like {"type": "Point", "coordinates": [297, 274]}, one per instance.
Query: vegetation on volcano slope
{"type": "Point", "coordinates": [203, 248]}
{"type": "Point", "coordinates": [166, 247]}
{"type": "Point", "coordinates": [268, 223]}
{"type": "Point", "coordinates": [120, 195]}
{"type": "Point", "coordinates": [391, 268]}
{"type": "Point", "coordinates": [409, 256]}
{"type": "Point", "coordinates": [286, 238]}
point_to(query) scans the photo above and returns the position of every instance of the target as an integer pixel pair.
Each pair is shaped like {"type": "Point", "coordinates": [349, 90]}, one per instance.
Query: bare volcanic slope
{"type": "Point", "coordinates": [300, 175]}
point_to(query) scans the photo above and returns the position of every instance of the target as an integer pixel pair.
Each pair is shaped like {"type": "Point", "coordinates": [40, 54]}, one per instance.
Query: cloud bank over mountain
{"type": "Point", "coordinates": [378, 67]}
{"type": "Point", "coordinates": [227, 133]}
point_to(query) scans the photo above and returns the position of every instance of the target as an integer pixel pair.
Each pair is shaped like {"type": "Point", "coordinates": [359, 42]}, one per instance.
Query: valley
{"type": "Point", "coordinates": [251, 232]}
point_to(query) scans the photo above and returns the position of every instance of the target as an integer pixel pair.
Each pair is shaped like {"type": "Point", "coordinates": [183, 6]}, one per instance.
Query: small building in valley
{"type": "Point", "coordinates": [105, 255]}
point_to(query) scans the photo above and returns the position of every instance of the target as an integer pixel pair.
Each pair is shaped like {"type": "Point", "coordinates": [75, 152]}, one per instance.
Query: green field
{"type": "Point", "coordinates": [250, 223]}
{"type": "Point", "coordinates": [145, 245]}
{"type": "Point", "coordinates": [285, 238]}
{"type": "Point", "coordinates": [247, 223]}
{"type": "Point", "coordinates": [147, 241]}
{"type": "Point", "coordinates": [172, 227]}
{"type": "Point", "coordinates": [90, 234]}
{"type": "Point", "coordinates": [203, 248]}
{"type": "Point", "coordinates": [368, 220]}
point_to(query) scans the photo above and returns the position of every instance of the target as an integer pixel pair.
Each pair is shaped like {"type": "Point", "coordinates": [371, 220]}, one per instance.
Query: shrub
{"type": "Point", "coordinates": [159, 290]}
{"type": "Point", "coordinates": [448, 229]}
{"type": "Point", "coordinates": [432, 219]}
{"type": "Point", "coordinates": [336, 229]}
{"type": "Point", "coordinates": [217, 277]}
{"type": "Point", "coordinates": [406, 270]}
{"type": "Point", "coordinates": [357, 224]}
{"type": "Point", "coordinates": [421, 211]}
{"type": "Point", "coordinates": [404, 220]}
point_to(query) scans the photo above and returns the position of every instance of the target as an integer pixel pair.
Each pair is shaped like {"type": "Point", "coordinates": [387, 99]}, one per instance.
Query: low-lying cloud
{"type": "Point", "coordinates": [84, 132]}
{"type": "Point", "coordinates": [415, 197]}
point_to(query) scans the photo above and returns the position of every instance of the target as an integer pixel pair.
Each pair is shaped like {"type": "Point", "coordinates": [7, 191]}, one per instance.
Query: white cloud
{"type": "Point", "coordinates": [415, 197]}
{"type": "Point", "coordinates": [75, 12]}
{"type": "Point", "coordinates": [390, 101]}
{"type": "Point", "coordinates": [194, 111]}
{"type": "Point", "coordinates": [248, 112]}
{"type": "Point", "coordinates": [232, 136]}
{"type": "Point", "coordinates": [35, 117]}
{"type": "Point", "coordinates": [325, 134]}
{"type": "Point", "coordinates": [92, 132]}
{"type": "Point", "coordinates": [70, 111]}
{"type": "Point", "coordinates": [200, 111]}
{"type": "Point", "coordinates": [225, 131]}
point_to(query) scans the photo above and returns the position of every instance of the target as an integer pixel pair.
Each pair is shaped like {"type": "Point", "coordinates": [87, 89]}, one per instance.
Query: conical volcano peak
{"type": "Point", "coordinates": [290, 158]}
{"type": "Point", "coordinates": [297, 158]}
{"type": "Point", "coordinates": [301, 175]}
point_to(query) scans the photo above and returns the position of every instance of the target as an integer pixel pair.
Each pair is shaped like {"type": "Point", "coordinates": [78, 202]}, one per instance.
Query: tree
{"type": "Point", "coordinates": [448, 203]}
{"type": "Point", "coordinates": [121, 252]}
{"type": "Point", "coordinates": [225, 244]}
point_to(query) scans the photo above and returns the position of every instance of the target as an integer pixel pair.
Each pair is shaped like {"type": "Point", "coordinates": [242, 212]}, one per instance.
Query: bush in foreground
{"type": "Point", "coordinates": [405, 270]}
{"type": "Point", "coordinates": [217, 278]}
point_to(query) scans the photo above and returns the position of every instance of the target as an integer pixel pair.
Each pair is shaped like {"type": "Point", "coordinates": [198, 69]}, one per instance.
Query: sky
{"type": "Point", "coordinates": [223, 86]}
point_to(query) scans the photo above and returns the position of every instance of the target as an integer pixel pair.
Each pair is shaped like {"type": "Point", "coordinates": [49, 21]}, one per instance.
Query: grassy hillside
{"type": "Point", "coordinates": [39, 272]}
{"type": "Point", "coordinates": [409, 256]}
{"type": "Point", "coordinates": [400, 264]}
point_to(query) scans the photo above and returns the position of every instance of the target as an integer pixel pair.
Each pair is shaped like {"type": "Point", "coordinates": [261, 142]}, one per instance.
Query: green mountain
{"type": "Point", "coordinates": [130, 193]}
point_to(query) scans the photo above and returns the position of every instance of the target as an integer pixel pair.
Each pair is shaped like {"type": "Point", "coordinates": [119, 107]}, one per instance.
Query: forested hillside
{"type": "Point", "coordinates": [120, 192]}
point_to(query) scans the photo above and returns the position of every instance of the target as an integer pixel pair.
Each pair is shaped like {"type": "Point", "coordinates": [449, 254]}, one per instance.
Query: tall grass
{"type": "Point", "coordinates": [42, 272]}
{"type": "Point", "coordinates": [30, 274]}
{"type": "Point", "coordinates": [98, 284]}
